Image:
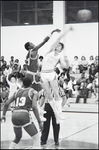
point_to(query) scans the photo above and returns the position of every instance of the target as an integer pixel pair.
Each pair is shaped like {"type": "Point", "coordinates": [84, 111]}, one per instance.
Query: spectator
{"type": "Point", "coordinates": [83, 64]}
{"type": "Point", "coordinates": [11, 61]}
{"type": "Point", "coordinates": [7, 70]}
{"type": "Point", "coordinates": [96, 86]}
{"type": "Point", "coordinates": [74, 65]}
{"type": "Point", "coordinates": [27, 63]}
{"type": "Point", "coordinates": [92, 72]}
{"type": "Point", "coordinates": [67, 74]}
{"type": "Point", "coordinates": [89, 87]}
{"type": "Point", "coordinates": [96, 62]}
{"type": "Point", "coordinates": [66, 88]}
{"type": "Point", "coordinates": [62, 92]}
{"type": "Point", "coordinates": [40, 63]}
{"type": "Point", "coordinates": [91, 60]}
{"type": "Point", "coordinates": [16, 68]}
{"type": "Point", "coordinates": [4, 65]}
{"type": "Point", "coordinates": [71, 85]}
{"type": "Point", "coordinates": [13, 86]}
{"type": "Point", "coordinates": [82, 79]}
{"type": "Point", "coordinates": [5, 93]}
{"type": "Point", "coordinates": [3, 81]}
{"type": "Point", "coordinates": [83, 92]}
{"type": "Point", "coordinates": [24, 68]}
{"type": "Point", "coordinates": [2, 59]}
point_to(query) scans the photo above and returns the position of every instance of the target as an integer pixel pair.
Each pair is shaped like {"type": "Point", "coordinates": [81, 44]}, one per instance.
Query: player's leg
{"type": "Point", "coordinates": [46, 79]}
{"type": "Point", "coordinates": [18, 135]}
{"type": "Point", "coordinates": [47, 91]}
{"type": "Point", "coordinates": [33, 132]}
{"type": "Point", "coordinates": [57, 101]}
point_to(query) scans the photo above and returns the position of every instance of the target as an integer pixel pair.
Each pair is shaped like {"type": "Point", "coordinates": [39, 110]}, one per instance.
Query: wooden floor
{"type": "Point", "coordinates": [78, 131]}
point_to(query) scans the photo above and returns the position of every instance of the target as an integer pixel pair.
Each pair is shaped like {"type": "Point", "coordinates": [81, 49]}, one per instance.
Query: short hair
{"type": "Point", "coordinates": [27, 81]}
{"type": "Point", "coordinates": [26, 45]}
{"type": "Point", "coordinates": [17, 60]}
{"type": "Point", "coordinates": [83, 57]}
{"type": "Point", "coordinates": [61, 45]}
{"type": "Point", "coordinates": [40, 57]}
{"type": "Point", "coordinates": [76, 57]}
{"type": "Point", "coordinates": [91, 57]}
{"type": "Point", "coordinates": [93, 64]}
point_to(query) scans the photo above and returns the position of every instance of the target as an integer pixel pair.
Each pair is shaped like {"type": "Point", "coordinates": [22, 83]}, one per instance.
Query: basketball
{"type": "Point", "coordinates": [84, 14]}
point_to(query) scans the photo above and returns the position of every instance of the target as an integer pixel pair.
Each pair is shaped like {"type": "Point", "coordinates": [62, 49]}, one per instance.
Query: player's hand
{"type": "Point", "coordinates": [56, 30]}
{"type": "Point", "coordinates": [3, 119]}
{"type": "Point", "coordinates": [41, 126]}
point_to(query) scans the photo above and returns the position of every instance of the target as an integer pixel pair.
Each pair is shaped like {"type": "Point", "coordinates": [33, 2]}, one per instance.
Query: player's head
{"type": "Point", "coordinates": [27, 82]}
{"type": "Point", "coordinates": [29, 46]}
{"type": "Point", "coordinates": [60, 46]}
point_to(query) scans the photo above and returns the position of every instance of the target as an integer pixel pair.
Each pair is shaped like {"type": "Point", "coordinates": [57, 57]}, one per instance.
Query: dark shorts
{"type": "Point", "coordinates": [21, 118]}
{"type": "Point", "coordinates": [36, 84]}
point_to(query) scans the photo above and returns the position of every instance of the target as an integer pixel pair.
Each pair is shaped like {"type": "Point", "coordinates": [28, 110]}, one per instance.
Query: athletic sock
{"type": "Point", "coordinates": [13, 146]}
{"type": "Point", "coordinates": [36, 141]}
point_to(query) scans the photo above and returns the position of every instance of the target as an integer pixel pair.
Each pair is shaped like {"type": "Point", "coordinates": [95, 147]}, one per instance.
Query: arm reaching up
{"type": "Point", "coordinates": [59, 38]}
{"type": "Point", "coordinates": [46, 39]}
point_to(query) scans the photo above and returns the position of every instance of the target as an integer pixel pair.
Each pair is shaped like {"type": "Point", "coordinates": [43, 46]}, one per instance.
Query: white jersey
{"type": "Point", "coordinates": [49, 62]}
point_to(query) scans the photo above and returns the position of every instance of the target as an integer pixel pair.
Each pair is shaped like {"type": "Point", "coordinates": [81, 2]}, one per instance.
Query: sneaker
{"type": "Point", "coordinates": [56, 143]}
{"type": "Point", "coordinates": [43, 143]}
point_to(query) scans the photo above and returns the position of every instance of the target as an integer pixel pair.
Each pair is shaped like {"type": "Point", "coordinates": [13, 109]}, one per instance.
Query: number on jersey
{"type": "Point", "coordinates": [20, 101]}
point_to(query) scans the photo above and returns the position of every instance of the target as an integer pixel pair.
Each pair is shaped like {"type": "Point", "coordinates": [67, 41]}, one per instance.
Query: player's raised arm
{"type": "Point", "coordinates": [59, 38]}
{"type": "Point", "coordinates": [46, 39]}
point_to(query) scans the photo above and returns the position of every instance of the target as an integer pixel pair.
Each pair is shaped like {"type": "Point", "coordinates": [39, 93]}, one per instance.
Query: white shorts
{"type": "Point", "coordinates": [47, 77]}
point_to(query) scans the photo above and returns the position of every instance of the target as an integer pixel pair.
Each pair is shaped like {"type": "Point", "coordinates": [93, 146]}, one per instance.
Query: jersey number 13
{"type": "Point", "coordinates": [20, 101]}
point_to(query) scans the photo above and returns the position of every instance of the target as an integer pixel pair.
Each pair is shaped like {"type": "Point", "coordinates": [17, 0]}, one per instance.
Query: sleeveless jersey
{"type": "Point", "coordinates": [50, 60]}
{"type": "Point", "coordinates": [33, 61]}
{"type": "Point", "coordinates": [23, 100]}
{"type": "Point", "coordinates": [33, 56]}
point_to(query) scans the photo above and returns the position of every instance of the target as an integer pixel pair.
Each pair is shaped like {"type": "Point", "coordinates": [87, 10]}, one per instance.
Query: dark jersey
{"type": "Point", "coordinates": [33, 56]}
{"type": "Point", "coordinates": [23, 99]}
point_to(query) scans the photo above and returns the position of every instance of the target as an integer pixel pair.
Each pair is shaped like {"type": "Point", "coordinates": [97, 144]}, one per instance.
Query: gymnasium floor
{"type": "Point", "coordinates": [78, 131]}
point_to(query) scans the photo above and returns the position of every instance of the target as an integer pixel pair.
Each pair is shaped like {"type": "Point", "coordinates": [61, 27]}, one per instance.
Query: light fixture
{"type": "Point", "coordinates": [26, 23]}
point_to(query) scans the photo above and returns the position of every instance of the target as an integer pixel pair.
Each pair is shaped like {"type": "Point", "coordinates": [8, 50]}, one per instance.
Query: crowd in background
{"type": "Point", "coordinates": [81, 87]}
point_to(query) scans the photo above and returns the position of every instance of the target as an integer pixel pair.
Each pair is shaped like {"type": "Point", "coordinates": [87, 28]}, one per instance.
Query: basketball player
{"type": "Point", "coordinates": [48, 75]}
{"type": "Point", "coordinates": [32, 58]}
{"type": "Point", "coordinates": [25, 99]}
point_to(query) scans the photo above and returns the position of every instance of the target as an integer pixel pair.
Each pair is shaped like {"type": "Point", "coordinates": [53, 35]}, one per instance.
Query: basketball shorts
{"type": "Point", "coordinates": [47, 77]}
{"type": "Point", "coordinates": [21, 118]}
